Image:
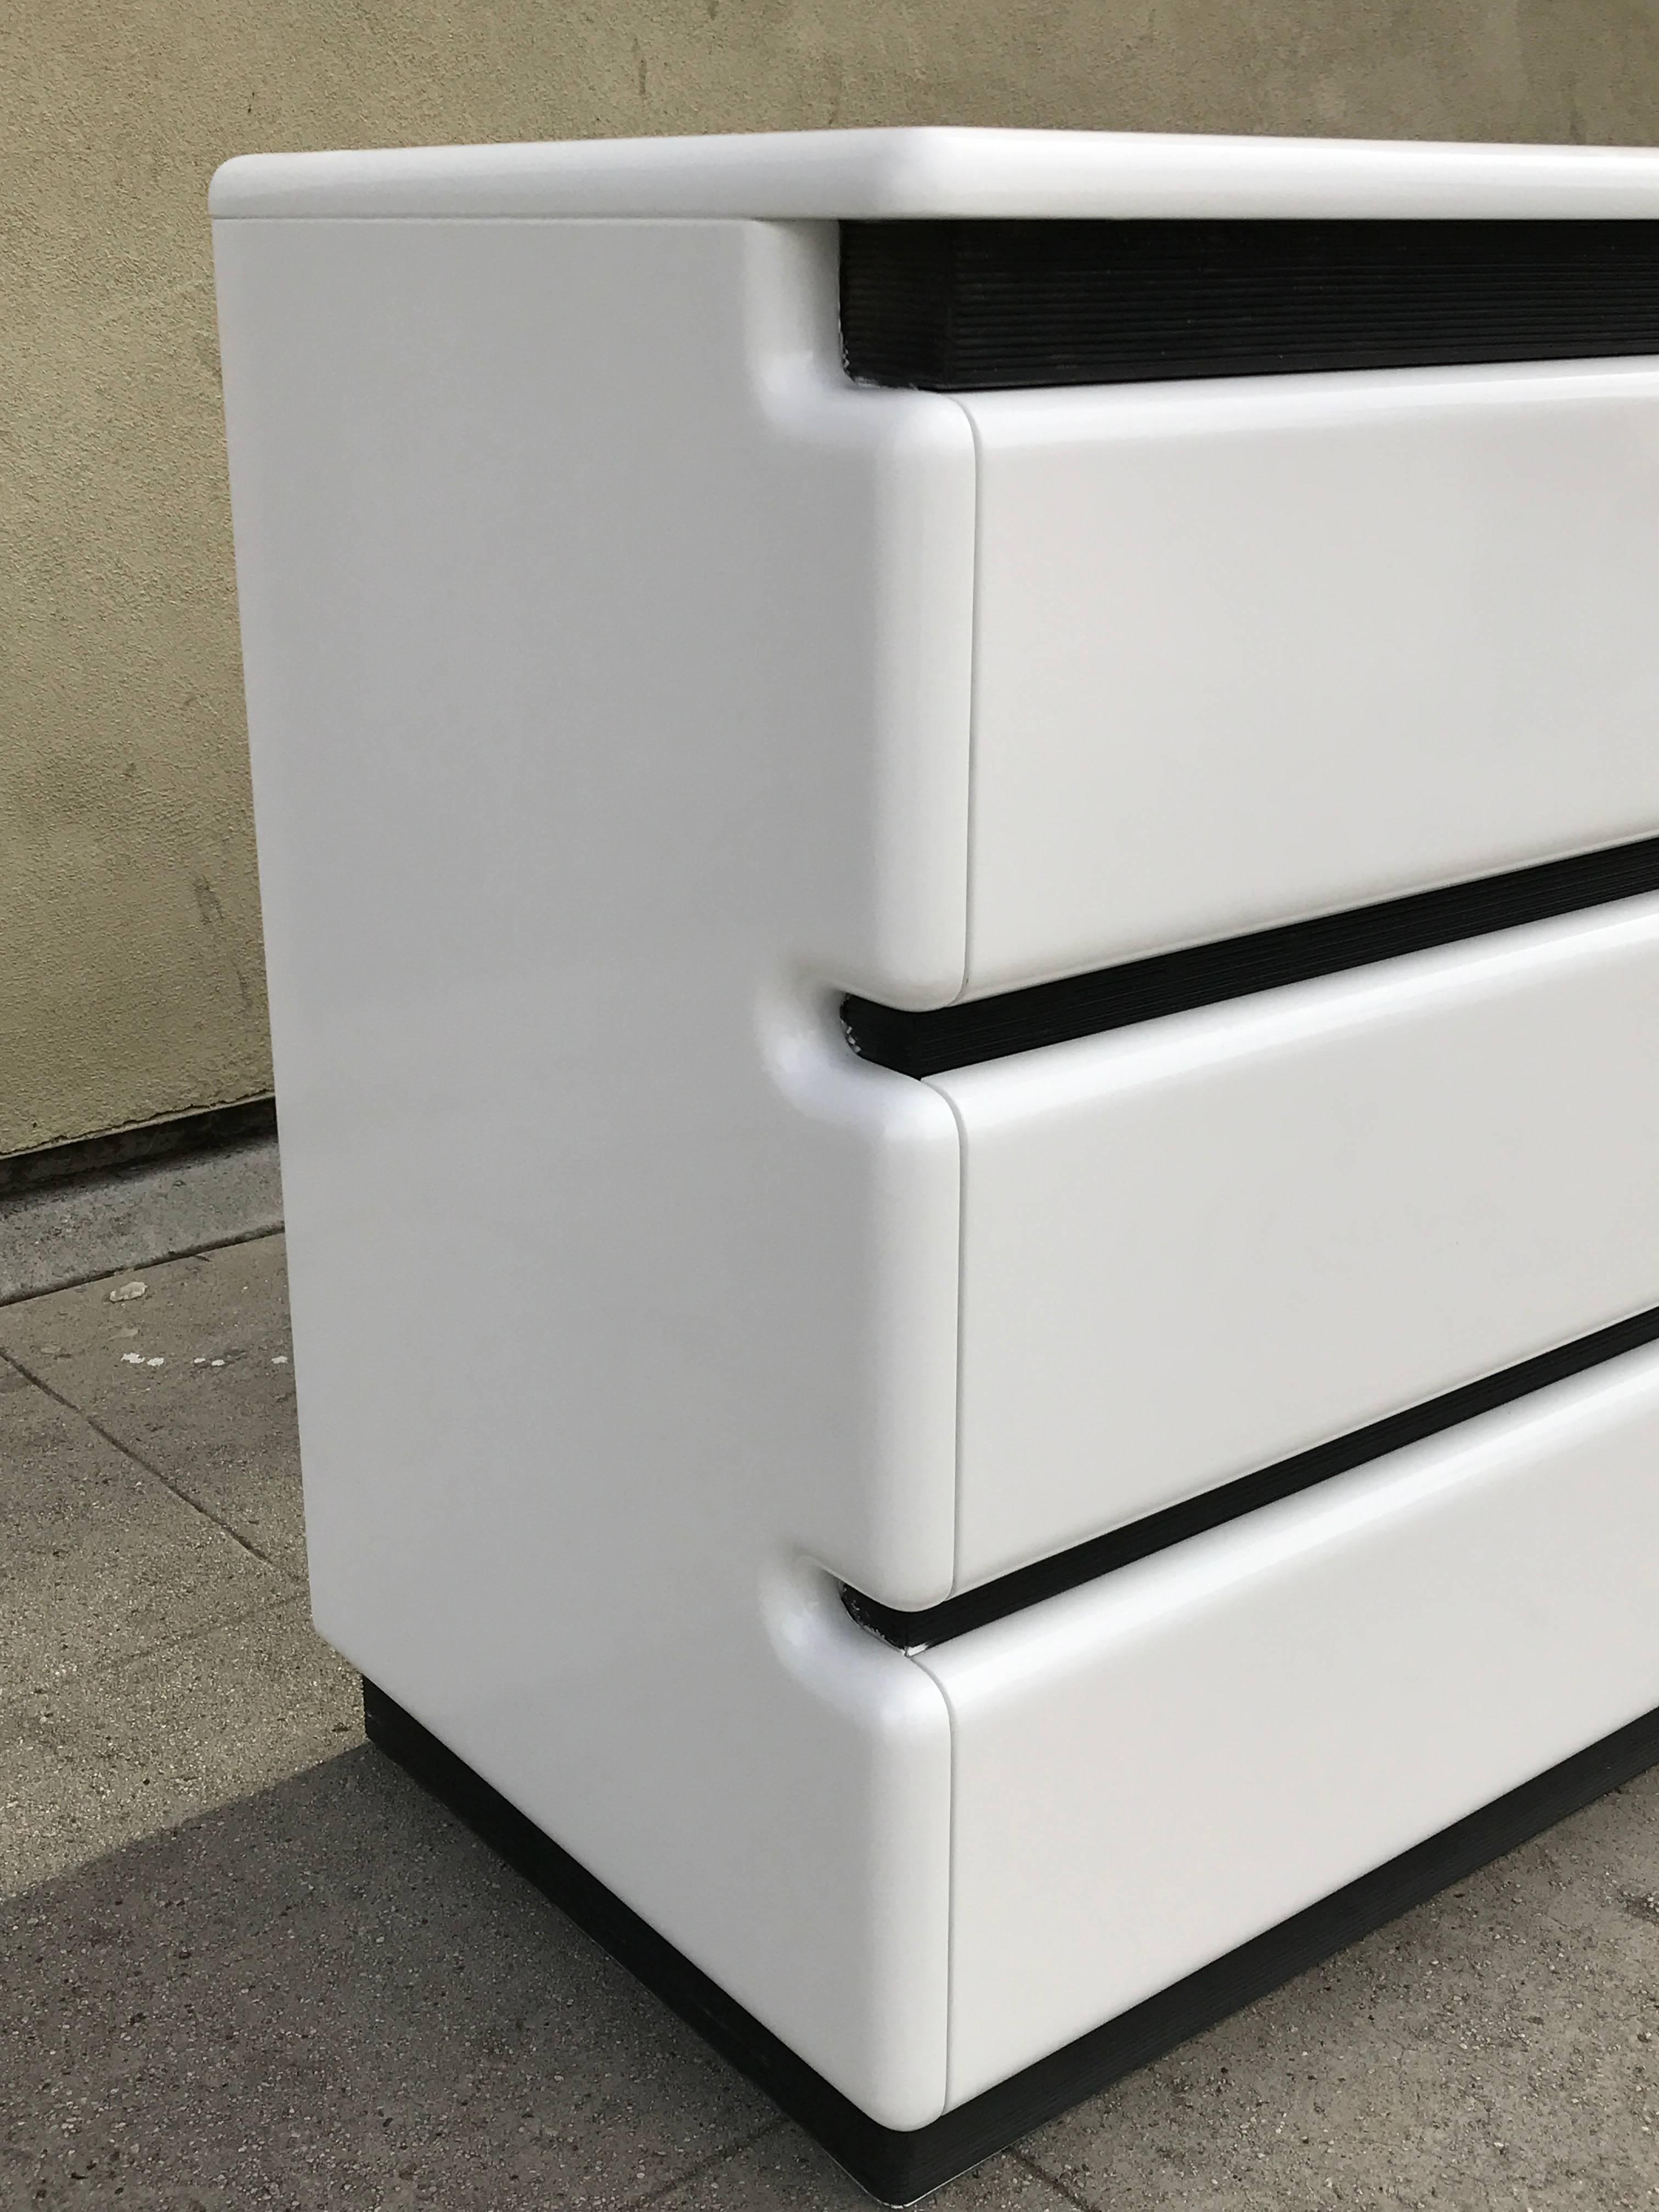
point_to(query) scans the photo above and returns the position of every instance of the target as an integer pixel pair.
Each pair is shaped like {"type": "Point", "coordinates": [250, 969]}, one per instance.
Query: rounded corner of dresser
{"type": "Point", "coordinates": [843, 1665]}
{"type": "Point", "coordinates": [236, 186]}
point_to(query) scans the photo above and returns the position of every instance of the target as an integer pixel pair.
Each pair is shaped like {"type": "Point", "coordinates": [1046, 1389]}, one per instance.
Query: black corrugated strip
{"type": "Point", "coordinates": [1087, 1562]}
{"type": "Point", "coordinates": [942, 1038]}
{"type": "Point", "coordinates": [972, 305]}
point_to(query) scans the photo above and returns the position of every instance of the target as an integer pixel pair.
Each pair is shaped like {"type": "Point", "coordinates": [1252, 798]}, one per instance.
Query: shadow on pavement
{"type": "Point", "coordinates": [329, 1994]}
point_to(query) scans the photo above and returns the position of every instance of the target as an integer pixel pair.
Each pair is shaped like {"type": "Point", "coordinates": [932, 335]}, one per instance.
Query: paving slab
{"type": "Point", "coordinates": [195, 1376]}
{"type": "Point", "coordinates": [327, 1993]}
{"type": "Point", "coordinates": [124, 1750]}
{"type": "Point", "coordinates": [100, 1559]}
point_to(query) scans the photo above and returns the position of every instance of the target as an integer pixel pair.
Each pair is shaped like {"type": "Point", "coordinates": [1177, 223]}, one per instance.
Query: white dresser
{"type": "Point", "coordinates": [960, 841]}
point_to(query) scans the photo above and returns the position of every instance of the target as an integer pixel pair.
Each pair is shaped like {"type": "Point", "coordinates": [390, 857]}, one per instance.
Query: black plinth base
{"type": "Point", "coordinates": [898, 2166]}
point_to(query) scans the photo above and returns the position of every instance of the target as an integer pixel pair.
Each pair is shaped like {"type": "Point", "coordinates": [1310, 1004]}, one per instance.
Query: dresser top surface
{"type": "Point", "coordinates": [944, 172]}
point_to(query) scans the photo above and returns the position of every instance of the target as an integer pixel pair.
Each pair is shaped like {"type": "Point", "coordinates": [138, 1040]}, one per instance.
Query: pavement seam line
{"type": "Point", "coordinates": [1049, 2180]}
{"type": "Point", "coordinates": [156, 1260]}
{"type": "Point", "coordinates": [715, 2158]}
{"type": "Point", "coordinates": [80, 1677]}
{"type": "Point", "coordinates": [139, 1461]}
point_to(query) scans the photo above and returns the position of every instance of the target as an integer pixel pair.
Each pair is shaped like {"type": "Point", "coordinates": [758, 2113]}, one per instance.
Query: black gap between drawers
{"type": "Point", "coordinates": [979, 305]}
{"type": "Point", "coordinates": [1102, 1555]}
{"type": "Point", "coordinates": [943, 1038]}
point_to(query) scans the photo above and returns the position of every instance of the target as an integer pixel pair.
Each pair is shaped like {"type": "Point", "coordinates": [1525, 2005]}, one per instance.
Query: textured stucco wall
{"type": "Point", "coordinates": [130, 972]}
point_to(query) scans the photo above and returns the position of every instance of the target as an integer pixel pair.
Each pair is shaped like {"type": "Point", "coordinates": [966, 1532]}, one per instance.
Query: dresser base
{"type": "Point", "coordinates": [898, 2166]}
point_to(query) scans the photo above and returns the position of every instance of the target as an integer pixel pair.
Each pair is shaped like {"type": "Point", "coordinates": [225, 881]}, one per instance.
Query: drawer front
{"type": "Point", "coordinates": [1153, 1769]}
{"type": "Point", "coordinates": [1252, 650]}
{"type": "Point", "coordinates": [1192, 1248]}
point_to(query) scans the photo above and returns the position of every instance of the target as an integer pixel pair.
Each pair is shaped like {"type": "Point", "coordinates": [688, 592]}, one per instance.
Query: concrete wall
{"type": "Point", "coordinates": [130, 971]}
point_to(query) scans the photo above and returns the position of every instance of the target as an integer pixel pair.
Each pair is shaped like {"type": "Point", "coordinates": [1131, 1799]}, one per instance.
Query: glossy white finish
{"type": "Point", "coordinates": [1152, 1770]}
{"type": "Point", "coordinates": [1254, 649]}
{"type": "Point", "coordinates": [607, 665]}
{"type": "Point", "coordinates": [1193, 1248]}
{"type": "Point", "coordinates": [611, 666]}
{"type": "Point", "coordinates": [949, 172]}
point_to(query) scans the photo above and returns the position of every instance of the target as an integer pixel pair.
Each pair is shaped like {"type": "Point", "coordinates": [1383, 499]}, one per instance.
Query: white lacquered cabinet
{"type": "Point", "coordinates": [964, 966]}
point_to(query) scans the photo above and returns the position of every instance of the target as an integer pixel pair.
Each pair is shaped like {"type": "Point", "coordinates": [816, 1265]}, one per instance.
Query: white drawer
{"type": "Point", "coordinates": [1153, 1769]}
{"type": "Point", "coordinates": [1195, 1248]}
{"type": "Point", "coordinates": [1247, 651]}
